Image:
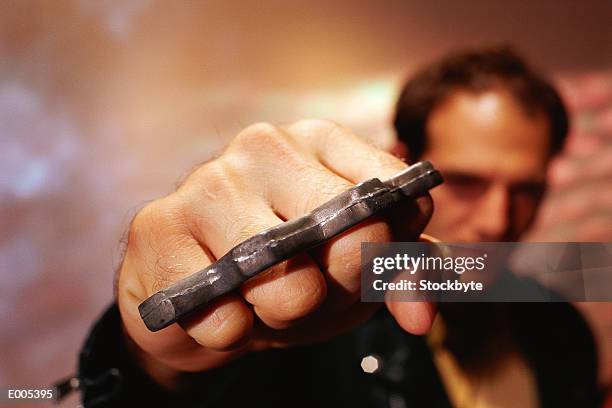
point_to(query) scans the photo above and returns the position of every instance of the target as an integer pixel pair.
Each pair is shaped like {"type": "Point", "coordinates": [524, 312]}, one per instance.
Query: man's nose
{"type": "Point", "coordinates": [493, 214]}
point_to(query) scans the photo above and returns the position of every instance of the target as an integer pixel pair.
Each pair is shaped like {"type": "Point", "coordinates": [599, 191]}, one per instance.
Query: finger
{"type": "Point", "coordinates": [290, 178]}
{"type": "Point", "coordinates": [161, 251]}
{"type": "Point", "coordinates": [224, 324]}
{"type": "Point", "coordinates": [287, 292]}
{"type": "Point", "coordinates": [345, 153]}
{"type": "Point", "coordinates": [307, 184]}
{"type": "Point", "coordinates": [300, 184]}
{"type": "Point", "coordinates": [414, 317]}
{"type": "Point", "coordinates": [229, 214]}
{"type": "Point", "coordinates": [354, 159]}
{"type": "Point", "coordinates": [341, 257]}
{"type": "Point", "coordinates": [297, 184]}
{"type": "Point", "coordinates": [410, 218]}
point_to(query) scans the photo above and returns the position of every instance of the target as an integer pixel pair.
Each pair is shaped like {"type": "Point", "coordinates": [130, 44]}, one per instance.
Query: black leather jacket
{"type": "Point", "coordinates": [558, 346]}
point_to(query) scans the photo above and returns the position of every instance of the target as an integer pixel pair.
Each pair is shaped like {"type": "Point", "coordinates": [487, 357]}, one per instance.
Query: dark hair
{"type": "Point", "coordinates": [476, 70]}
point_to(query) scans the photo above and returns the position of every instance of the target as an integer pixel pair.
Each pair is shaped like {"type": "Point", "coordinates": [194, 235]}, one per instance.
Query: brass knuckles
{"type": "Point", "coordinates": [284, 241]}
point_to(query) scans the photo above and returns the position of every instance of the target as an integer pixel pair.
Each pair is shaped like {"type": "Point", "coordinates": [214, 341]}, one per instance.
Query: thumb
{"type": "Point", "coordinates": [414, 317]}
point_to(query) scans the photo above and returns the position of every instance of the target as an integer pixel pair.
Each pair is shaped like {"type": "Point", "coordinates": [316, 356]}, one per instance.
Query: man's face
{"type": "Point", "coordinates": [494, 157]}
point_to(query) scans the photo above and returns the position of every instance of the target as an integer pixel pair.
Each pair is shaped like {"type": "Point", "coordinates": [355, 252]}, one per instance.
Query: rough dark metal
{"type": "Point", "coordinates": [284, 241]}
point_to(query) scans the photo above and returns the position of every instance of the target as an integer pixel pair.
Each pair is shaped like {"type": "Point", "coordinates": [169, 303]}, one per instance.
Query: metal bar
{"type": "Point", "coordinates": [284, 241]}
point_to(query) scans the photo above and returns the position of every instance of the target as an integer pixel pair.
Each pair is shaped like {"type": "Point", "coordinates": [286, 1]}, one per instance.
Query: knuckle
{"type": "Point", "coordinates": [225, 323]}
{"type": "Point", "coordinates": [326, 184]}
{"type": "Point", "coordinates": [210, 181]}
{"type": "Point", "coordinates": [245, 227]}
{"type": "Point", "coordinates": [223, 328]}
{"type": "Point", "coordinates": [294, 298]}
{"type": "Point", "coordinates": [155, 219]}
{"type": "Point", "coordinates": [142, 221]}
{"type": "Point", "coordinates": [156, 238]}
{"type": "Point", "coordinates": [303, 300]}
{"type": "Point", "coordinates": [347, 248]}
{"type": "Point", "coordinates": [376, 230]}
{"type": "Point", "coordinates": [260, 143]}
{"type": "Point", "coordinates": [209, 171]}
{"type": "Point", "coordinates": [318, 130]}
{"type": "Point", "coordinates": [256, 135]}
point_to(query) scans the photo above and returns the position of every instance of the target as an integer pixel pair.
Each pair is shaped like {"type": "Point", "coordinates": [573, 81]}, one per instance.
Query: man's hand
{"type": "Point", "coordinates": [267, 175]}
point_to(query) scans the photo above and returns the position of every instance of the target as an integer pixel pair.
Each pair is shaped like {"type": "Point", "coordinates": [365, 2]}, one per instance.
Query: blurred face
{"type": "Point", "coordinates": [494, 157]}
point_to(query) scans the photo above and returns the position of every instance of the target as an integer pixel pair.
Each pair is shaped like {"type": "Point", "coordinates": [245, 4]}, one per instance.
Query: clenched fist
{"type": "Point", "coordinates": [267, 175]}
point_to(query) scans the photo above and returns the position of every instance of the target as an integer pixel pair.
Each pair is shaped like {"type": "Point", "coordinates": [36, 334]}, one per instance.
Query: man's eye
{"type": "Point", "coordinates": [466, 186]}
{"type": "Point", "coordinates": [528, 190]}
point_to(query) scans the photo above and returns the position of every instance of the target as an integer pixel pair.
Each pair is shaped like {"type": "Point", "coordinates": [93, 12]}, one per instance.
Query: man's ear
{"type": "Point", "coordinates": [399, 149]}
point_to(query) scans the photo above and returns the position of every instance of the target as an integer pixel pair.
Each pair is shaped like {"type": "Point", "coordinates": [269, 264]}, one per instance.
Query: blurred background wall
{"type": "Point", "coordinates": [104, 105]}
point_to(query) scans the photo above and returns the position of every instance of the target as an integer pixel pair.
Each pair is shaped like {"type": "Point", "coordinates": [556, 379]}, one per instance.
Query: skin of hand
{"type": "Point", "coordinates": [267, 175]}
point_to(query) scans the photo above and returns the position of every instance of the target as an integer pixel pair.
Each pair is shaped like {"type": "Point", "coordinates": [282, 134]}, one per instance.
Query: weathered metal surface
{"type": "Point", "coordinates": [284, 241]}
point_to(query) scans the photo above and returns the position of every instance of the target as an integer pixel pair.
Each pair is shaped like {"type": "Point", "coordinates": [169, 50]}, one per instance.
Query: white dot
{"type": "Point", "coordinates": [370, 364]}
